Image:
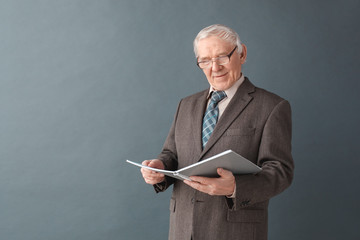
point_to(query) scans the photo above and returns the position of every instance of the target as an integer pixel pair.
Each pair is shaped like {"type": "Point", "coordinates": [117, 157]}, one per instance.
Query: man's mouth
{"type": "Point", "coordinates": [221, 75]}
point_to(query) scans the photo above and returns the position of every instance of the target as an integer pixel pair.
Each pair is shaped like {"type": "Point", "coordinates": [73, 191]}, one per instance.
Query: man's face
{"type": "Point", "coordinates": [220, 77]}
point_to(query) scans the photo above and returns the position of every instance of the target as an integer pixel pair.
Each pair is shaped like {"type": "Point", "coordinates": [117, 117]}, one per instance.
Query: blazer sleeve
{"type": "Point", "coordinates": [168, 156]}
{"type": "Point", "coordinates": [275, 159]}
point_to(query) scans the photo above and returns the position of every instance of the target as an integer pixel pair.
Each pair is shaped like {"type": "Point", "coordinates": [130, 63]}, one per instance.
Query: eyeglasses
{"type": "Point", "coordinates": [221, 60]}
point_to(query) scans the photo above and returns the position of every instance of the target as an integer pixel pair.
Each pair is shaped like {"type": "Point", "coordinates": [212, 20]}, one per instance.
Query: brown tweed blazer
{"type": "Point", "coordinates": [255, 124]}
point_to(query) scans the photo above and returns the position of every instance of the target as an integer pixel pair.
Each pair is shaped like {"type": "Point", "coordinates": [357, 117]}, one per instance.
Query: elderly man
{"type": "Point", "coordinates": [231, 114]}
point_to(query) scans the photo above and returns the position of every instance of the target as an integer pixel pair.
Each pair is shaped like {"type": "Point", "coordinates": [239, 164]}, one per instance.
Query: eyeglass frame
{"type": "Point", "coordinates": [212, 60]}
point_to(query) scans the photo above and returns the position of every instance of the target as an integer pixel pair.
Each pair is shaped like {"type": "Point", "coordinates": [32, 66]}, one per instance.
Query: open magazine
{"type": "Point", "coordinates": [228, 160]}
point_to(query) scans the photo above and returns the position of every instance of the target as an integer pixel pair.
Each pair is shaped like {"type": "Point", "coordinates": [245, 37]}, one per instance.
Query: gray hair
{"type": "Point", "coordinates": [220, 31]}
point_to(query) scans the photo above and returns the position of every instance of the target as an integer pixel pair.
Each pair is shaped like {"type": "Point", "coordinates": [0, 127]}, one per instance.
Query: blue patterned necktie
{"type": "Point", "coordinates": [211, 116]}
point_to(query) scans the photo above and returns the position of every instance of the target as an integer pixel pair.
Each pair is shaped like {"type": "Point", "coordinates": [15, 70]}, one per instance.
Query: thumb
{"type": "Point", "coordinates": [156, 163]}
{"type": "Point", "coordinates": [224, 173]}
{"type": "Point", "coordinates": [146, 162]}
{"type": "Point", "coordinates": [153, 164]}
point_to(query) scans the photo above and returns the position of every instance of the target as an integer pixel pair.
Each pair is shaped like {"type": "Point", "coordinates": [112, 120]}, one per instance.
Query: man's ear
{"type": "Point", "coordinates": [243, 54]}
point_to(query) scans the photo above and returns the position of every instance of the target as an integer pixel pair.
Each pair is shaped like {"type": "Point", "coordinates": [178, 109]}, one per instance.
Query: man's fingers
{"type": "Point", "coordinates": [147, 173]}
{"type": "Point", "coordinates": [194, 184]}
{"type": "Point", "coordinates": [198, 182]}
{"type": "Point", "coordinates": [198, 179]}
{"type": "Point", "coordinates": [200, 186]}
{"type": "Point", "coordinates": [223, 185]}
{"type": "Point", "coordinates": [150, 176]}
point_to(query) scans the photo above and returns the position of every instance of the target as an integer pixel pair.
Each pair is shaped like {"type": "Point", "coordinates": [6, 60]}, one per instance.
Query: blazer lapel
{"type": "Point", "coordinates": [198, 114]}
{"type": "Point", "coordinates": [237, 104]}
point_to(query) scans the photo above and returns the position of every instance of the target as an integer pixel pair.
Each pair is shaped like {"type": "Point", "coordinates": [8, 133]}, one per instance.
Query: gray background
{"type": "Point", "coordinates": [85, 85]}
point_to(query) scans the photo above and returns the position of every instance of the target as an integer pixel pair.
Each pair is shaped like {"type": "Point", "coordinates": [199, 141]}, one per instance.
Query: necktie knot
{"type": "Point", "coordinates": [217, 96]}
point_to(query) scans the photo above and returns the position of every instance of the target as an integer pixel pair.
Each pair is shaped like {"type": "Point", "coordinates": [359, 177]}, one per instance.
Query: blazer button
{"type": "Point", "coordinates": [192, 200]}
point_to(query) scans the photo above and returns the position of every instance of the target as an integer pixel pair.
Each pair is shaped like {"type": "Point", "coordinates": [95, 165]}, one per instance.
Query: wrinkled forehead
{"type": "Point", "coordinates": [213, 46]}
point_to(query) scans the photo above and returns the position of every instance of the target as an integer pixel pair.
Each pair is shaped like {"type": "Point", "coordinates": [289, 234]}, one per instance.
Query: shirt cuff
{"type": "Point", "coordinates": [234, 193]}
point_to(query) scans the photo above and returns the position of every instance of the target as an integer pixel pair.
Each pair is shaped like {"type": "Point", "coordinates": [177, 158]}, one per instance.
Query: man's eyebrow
{"type": "Point", "coordinates": [204, 58]}
{"type": "Point", "coordinates": [222, 54]}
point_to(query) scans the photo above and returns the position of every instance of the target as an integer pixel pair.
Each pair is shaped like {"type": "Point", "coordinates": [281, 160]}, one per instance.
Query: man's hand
{"type": "Point", "coordinates": [223, 185]}
{"type": "Point", "coordinates": [150, 176]}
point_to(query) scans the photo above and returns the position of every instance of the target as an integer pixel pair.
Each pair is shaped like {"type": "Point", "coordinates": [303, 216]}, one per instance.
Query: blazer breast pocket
{"type": "Point", "coordinates": [240, 131]}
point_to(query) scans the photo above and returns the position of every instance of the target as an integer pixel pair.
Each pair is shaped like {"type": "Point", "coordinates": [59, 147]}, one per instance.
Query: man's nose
{"type": "Point", "coordinates": [215, 66]}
